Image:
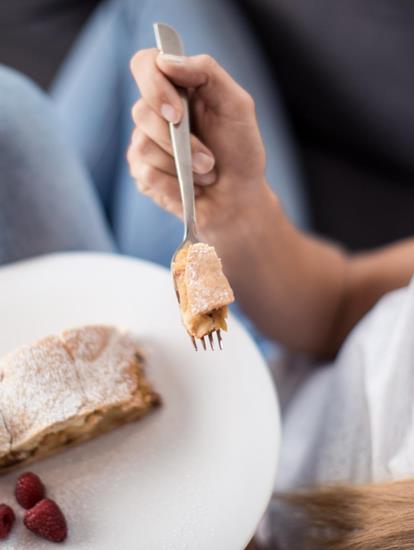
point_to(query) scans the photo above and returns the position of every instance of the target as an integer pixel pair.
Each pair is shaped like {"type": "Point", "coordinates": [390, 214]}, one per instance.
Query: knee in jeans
{"type": "Point", "coordinates": [22, 106]}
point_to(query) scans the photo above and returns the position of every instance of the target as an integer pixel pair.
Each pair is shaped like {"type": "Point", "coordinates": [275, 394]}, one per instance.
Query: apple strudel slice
{"type": "Point", "coordinates": [203, 289]}
{"type": "Point", "coordinates": [66, 389]}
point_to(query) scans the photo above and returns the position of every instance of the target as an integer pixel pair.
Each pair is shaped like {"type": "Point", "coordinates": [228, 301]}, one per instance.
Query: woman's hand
{"type": "Point", "coordinates": [228, 153]}
{"type": "Point", "coordinates": [299, 290]}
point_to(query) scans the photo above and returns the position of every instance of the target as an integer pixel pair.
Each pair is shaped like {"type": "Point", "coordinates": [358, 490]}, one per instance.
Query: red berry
{"type": "Point", "coordinates": [29, 490]}
{"type": "Point", "coordinates": [7, 518]}
{"type": "Point", "coordinates": [46, 520]}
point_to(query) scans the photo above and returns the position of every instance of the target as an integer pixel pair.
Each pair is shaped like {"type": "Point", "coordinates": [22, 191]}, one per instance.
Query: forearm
{"type": "Point", "coordinates": [289, 284]}
{"type": "Point", "coordinates": [299, 290]}
{"type": "Point", "coordinates": [371, 275]}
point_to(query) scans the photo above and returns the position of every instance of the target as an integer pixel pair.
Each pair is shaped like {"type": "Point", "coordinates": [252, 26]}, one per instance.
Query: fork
{"type": "Point", "coordinates": [169, 42]}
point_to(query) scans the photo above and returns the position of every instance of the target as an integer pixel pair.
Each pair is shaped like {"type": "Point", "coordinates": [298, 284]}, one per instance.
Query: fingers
{"type": "Point", "coordinates": [152, 143]}
{"type": "Point", "coordinates": [162, 188]}
{"type": "Point", "coordinates": [157, 130]}
{"type": "Point", "coordinates": [154, 126]}
{"type": "Point", "coordinates": [155, 88]}
{"type": "Point", "coordinates": [156, 74]}
{"type": "Point", "coordinates": [143, 150]}
{"type": "Point", "coordinates": [214, 85]}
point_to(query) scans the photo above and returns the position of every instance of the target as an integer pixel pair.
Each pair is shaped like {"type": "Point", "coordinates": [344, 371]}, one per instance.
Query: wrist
{"type": "Point", "coordinates": [245, 227]}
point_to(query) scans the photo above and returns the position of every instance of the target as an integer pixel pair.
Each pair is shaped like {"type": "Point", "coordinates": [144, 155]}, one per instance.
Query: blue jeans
{"type": "Point", "coordinates": [47, 201]}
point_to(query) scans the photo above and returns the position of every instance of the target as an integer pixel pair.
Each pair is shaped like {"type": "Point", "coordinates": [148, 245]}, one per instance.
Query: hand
{"type": "Point", "coordinates": [228, 153]}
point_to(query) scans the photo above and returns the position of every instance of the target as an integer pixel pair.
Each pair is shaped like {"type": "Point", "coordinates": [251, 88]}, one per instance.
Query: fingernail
{"type": "Point", "coordinates": [202, 163]}
{"type": "Point", "coordinates": [205, 179]}
{"type": "Point", "coordinates": [169, 113]}
{"type": "Point", "coordinates": [170, 58]}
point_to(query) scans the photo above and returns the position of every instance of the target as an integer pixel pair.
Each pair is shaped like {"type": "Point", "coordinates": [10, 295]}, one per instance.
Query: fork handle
{"type": "Point", "coordinates": [169, 42]}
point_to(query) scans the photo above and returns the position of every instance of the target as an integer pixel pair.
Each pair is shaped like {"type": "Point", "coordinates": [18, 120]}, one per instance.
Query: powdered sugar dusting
{"type": "Point", "coordinates": [207, 286]}
{"type": "Point", "coordinates": [61, 377]}
{"type": "Point", "coordinates": [4, 437]}
{"type": "Point", "coordinates": [39, 388]}
{"type": "Point", "coordinates": [86, 345]}
{"type": "Point", "coordinates": [103, 358]}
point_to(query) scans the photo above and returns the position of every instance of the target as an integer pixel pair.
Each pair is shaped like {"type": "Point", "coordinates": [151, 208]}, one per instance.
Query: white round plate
{"type": "Point", "coordinates": [196, 474]}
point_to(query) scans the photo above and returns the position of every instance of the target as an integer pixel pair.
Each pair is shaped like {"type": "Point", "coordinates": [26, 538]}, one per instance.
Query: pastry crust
{"type": "Point", "coordinates": [204, 291]}
{"type": "Point", "coordinates": [67, 389]}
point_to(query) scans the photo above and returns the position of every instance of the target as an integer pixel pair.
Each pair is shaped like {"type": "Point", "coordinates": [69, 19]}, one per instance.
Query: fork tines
{"type": "Point", "coordinates": [210, 339]}
{"type": "Point", "coordinates": [194, 342]}
{"type": "Point", "coordinates": [219, 339]}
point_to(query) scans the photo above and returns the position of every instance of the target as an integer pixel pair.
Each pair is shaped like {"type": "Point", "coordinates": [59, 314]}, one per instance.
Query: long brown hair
{"type": "Point", "coordinates": [358, 517]}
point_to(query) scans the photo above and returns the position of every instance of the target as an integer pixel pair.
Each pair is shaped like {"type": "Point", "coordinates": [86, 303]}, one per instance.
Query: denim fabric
{"type": "Point", "coordinates": [47, 201]}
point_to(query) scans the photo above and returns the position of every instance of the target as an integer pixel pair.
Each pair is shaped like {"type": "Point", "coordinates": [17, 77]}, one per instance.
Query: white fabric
{"type": "Point", "coordinates": [353, 421]}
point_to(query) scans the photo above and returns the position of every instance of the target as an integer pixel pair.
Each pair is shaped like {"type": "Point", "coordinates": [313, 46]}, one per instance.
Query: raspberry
{"type": "Point", "coordinates": [46, 520]}
{"type": "Point", "coordinates": [7, 518]}
{"type": "Point", "coordinates": [29, 490]}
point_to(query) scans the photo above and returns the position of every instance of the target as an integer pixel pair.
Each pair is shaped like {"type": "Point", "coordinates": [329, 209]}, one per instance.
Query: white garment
{"type": "Point", "coordinates": [352, 421]}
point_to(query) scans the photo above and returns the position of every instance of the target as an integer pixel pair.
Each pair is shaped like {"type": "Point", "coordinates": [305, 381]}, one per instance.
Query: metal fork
{"type": "Point", "coordinates": [169, 42]}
